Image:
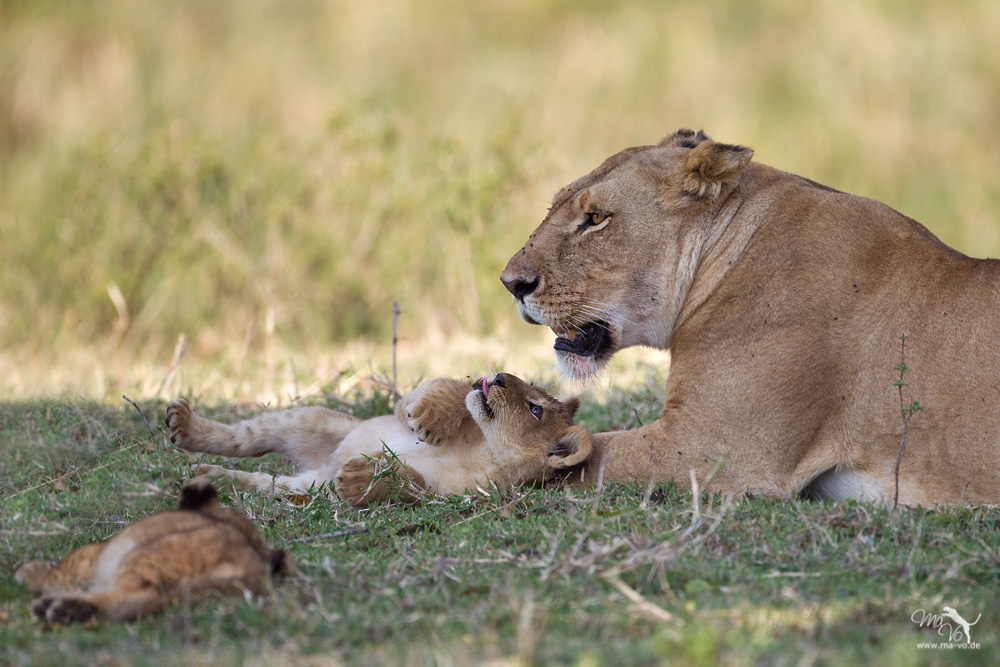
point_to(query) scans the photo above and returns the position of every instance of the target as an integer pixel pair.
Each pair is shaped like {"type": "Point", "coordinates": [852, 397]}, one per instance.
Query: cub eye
{"type": "Point", "coordinates": [593, 220]}
{"type": "Point", "coordinates": [536, 410]}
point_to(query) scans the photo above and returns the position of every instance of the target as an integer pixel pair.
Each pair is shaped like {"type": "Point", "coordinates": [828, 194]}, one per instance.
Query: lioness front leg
{"type": "Point", "coordinates": [436, 411]}
{"type": "Point", "coordinates": [365, 480]}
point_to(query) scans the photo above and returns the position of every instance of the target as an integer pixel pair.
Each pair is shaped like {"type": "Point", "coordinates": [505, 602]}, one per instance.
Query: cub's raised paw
{"type": "Point", "coordinates": [64, 611]}
{"type": "Point", "coordinates": [435, 415]}
{"type": "Point", "coordinates": [179, 415]}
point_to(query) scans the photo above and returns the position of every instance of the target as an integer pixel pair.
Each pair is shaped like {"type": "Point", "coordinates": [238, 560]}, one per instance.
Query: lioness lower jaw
{"type": "Point", "coordinates": [584, 351]}
{"type": "Point", "coordinates": [580, 367]}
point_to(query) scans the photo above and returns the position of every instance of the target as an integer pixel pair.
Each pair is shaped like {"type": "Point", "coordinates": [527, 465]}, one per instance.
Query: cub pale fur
{"type": "Point", "coordinates": [783, 303]}
{"type": "Point", "coordinates": [168, 556]}
{"type": "Point", "coordinates": [504, 432]}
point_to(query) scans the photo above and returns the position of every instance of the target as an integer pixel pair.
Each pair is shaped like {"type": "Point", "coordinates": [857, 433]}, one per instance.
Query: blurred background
{"type": "Point", "coordinates": [227, 198]}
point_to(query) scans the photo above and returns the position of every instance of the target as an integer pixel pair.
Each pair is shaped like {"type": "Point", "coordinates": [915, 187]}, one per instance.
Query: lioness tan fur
{"type": "Point", "coordinates": [447, 436]}
{"type": "Point", "coordinates": [783, 303]}
{"type": "Point", "coordinates": [167, 556]}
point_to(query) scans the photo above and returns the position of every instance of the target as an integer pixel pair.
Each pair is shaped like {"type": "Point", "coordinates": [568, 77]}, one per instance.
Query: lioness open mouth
{"type": "Point", "coordinates": [589, 340]}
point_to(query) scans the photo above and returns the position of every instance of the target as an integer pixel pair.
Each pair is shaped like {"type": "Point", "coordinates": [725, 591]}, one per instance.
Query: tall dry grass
{"type": "Point", "coordinates": [266, 178]}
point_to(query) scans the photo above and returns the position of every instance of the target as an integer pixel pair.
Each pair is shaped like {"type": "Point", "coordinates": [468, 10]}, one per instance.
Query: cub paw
{"type": "Point", "coordinates": [206, 470]}
{"type": "Point", "coordinates": [355, 482]}
{"type": "Point", "coordinates": [32, 574]}
{"type": "Point", "coordinates": [64, 611]}
{"type": "Point", "coordinates": [437, 411]}
{"type": "Point", "coordinates": [179, 417]}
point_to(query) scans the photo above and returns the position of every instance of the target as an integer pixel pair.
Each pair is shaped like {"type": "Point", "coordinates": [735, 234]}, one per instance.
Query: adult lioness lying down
{"type": "Point", "coordinates": [783, 303]}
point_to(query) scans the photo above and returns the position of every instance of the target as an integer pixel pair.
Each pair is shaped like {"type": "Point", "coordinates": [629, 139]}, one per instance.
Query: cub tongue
{"type": "Point", "coordinates": [486, 388]}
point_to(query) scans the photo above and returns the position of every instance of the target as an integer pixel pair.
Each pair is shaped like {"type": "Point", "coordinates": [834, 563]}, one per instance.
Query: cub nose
{"type": "Point", "coordinates": [520, 286]}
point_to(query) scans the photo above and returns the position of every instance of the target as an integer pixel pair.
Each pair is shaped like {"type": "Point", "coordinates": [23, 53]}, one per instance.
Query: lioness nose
{"type": "Point", "coordinates": [519, 286]}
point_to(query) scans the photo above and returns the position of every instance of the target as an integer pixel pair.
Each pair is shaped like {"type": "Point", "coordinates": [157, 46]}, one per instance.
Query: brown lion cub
{"type": "Point", "coordinates": [503, 431]}
{"type": "Point", "coordinates": [167, 556]}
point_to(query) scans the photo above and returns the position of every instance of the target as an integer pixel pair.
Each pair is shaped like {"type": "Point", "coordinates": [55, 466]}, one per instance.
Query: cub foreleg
{"type": "Point", "coordinates": [436, 412]}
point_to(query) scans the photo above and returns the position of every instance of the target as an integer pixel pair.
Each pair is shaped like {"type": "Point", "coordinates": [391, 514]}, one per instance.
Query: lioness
{"type": "Point", "coordinates": [783, 303]}
{"type": "Point", "coordinates": [502, 431]}
{"type": "Point", "coordinates": [167, 556]}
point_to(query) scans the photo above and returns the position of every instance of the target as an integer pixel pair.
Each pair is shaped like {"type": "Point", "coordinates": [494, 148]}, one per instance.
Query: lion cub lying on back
{"type": "Point", "coordinates": [504, 431]}
{"type": "Point", "coordinates": [167, 556]}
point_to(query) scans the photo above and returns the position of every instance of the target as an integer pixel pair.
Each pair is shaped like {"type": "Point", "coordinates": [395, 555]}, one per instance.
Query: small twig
{"type": "Point", "coordinates": [907, 411]}
{"type": "Point", "coordinates": [150, 428]}
{"type": "Point", "coordinates": [326, 536]}
{"type": "Point", "coordinates": [395, 342]}
{"type": "Point", "coordinates": [635, 413]}
{"type": "Point", "coordinates": [179, 351]}
{"type": "Point", "coordinates": [655, 611]}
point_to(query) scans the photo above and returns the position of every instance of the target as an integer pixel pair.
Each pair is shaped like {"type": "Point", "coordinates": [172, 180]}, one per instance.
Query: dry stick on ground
{"type": "Point", "coordinates": [395, 340]}
{"type": "Point", "coordinates": [148, 427]}
{"type": "Point", "coordinates": [907, 411]}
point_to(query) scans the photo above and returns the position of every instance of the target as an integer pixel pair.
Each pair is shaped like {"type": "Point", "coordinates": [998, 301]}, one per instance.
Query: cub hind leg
{"type": "Point", "coordinates": [307, 436]}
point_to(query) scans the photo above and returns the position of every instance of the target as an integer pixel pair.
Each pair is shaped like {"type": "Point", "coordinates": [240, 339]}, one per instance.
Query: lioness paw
{"type": "Point", "coordinates": [179, 416]}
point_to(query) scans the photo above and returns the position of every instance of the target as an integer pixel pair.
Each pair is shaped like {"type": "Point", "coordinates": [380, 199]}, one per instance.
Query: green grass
{"type": "Point", "coordinates": [628, 574]}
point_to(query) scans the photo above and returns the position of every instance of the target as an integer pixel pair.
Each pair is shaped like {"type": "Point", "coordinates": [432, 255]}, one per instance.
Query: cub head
{"type": "Point", "coordinates": [527, 430]}
{"type": "Point", "coordinates": [611, 264]}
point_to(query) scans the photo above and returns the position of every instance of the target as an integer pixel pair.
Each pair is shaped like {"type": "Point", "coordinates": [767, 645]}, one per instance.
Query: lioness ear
{"type": "Point", "coordinates": [574, 447]}
{"type": "Point", "coordinates": [685, 139]}
{"type": "Point", "coordinates": [572, 404]}
{"type": "Point", "coordinates": [711, 165]}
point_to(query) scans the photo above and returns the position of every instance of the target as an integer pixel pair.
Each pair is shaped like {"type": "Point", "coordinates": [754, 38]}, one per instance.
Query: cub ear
{"type": "Point", "coordinates": [198, 494]}
{"type": "Point", "coordinates": [684, 139]}
{"type": "Point", "coordinates": [711, 165]}
{"type": "Point", "coordinates": [571, 404]}
{"type": "Point", "coordinates": [572, 448]}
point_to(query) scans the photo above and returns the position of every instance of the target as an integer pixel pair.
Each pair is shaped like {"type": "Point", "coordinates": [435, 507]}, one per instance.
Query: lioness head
{"type": "Point", "coordinates": [612, 262]}
{"type": "Point", "coordinates": [526, 429]}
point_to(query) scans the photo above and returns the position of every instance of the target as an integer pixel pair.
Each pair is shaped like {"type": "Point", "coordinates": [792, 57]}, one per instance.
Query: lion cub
{"type": "Point", "coordinates": [502, 431]}
{"type": "Point", "coordinates": [167, 556]}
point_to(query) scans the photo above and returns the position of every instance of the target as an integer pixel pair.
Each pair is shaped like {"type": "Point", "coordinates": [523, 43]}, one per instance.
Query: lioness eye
{"type": "Point", "coordinates": [536, 410]}
{"type": "Point", "coordinates": [593, 220]}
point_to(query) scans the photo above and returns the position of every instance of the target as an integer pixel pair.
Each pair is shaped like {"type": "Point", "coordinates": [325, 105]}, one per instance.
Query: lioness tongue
{"type": "Point", "coordinates": [486, 388]}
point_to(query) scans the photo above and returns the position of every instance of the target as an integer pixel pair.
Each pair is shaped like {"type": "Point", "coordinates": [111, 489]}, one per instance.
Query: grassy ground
{"type": "Point", "coordinates": [630, 574]}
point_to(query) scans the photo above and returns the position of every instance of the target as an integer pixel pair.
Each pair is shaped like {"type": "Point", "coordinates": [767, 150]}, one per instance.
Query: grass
{"type": "Point", "coordinates": [627, 574]}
